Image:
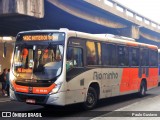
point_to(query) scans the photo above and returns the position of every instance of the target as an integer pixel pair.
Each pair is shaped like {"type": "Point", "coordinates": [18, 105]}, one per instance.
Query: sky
{"type": "Point", "coordinates": [147, 8]}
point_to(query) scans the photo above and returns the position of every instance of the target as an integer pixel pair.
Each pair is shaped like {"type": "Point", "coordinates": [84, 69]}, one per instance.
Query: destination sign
{"type": "Point", "coordinates": [39, 37]}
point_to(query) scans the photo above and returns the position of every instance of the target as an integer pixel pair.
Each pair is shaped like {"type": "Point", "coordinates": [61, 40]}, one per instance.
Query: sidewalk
{"type": "Point", "coordinates": [1, 96]}
{"type": "Point", "coordinates": [4, 98]}
{"type": "Point", "coordinates": [148, 109]}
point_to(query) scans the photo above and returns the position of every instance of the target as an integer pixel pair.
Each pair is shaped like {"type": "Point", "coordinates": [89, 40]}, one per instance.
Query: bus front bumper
{"type": "Point", "coordinates": [50, 99]}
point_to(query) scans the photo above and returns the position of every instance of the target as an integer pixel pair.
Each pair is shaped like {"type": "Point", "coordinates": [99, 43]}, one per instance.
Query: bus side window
{"type": "Point", "coordinates": [159, 60]}
{"type": "Point", "coordinates": [99, 53]}
{"type": "Point", "coordinates": [109, 56]}
{"type": "Point", "coordinates": [135, 57]}
{"type": "Point", "coordinates": [91, 53]}
{"type": "Point", "coordinates": [105, 54]}
{"type": "Point", "coordinates": [74, 57]}
{"type": "Point", "coordinates": [153, 58]}
{"type": "Point", "coordinates": [158, 57]}
{"type": "Point", "coordinates": [123, 56]}
{"type": "Point", "coordinates": [144, 57]}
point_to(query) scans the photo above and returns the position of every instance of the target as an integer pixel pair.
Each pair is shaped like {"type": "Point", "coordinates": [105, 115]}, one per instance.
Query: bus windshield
{"type": "Point", "coordinates": [37, 61]}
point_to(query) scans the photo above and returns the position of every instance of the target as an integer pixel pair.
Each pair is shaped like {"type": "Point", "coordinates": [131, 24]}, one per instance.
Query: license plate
{"type": "Point", "coordinates": [30, 101]}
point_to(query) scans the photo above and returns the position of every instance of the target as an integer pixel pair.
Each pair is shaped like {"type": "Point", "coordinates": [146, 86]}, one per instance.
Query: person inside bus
{"type": "Point", "coordinates": [43, 59]}
{"type": "Point", "coordinates": [58, 57]}
{"type": "Point", "coordinates": [45, 56]}
{"type": "Point", "coordinates": [58, 61]}
{"type": "Point", "coordinates": [49, 56]}
{"type": "Point", "coordinates": [24, 56]}
{"type": "Point", "coordinates": [69, 61]}
{"type": "Point", "coordinates": [52, 63]}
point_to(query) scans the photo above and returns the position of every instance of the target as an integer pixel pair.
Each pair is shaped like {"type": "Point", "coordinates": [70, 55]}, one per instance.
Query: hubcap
{"type": "Point", "coordinates": [143, 90]}
{"type": "Point", "coordinates": [90, 99]}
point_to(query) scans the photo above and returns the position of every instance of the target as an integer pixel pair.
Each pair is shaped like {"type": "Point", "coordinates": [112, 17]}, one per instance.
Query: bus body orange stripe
{"type": "Point", "coordinates": [130, 80]}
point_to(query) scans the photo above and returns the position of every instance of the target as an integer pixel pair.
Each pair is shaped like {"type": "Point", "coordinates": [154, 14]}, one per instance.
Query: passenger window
{"type": "Point", "coordinates": [109, 56]}
{"type": "Point", "coordinates": [144, 57]}
{"type": "Point", "coordinates": [74, 57]}
{"type": "Point", "coordinates": [153, 58]}
{"type": "Point", "coordinates": [135, 57]}
{"type": "Point", "coordinates": [105, 54]}
{"type": "Point", "coordinates": [158, 58]}
{"type": "Point", "coordinates": [91, 53]}
{"type": "Point", "coordinates": [99, 53]}
{"type": "Point", "coordinates": [123, 56]}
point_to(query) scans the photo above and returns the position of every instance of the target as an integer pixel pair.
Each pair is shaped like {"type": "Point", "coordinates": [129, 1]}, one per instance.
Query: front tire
{"type": "Point", "coordinates": [91, 99]}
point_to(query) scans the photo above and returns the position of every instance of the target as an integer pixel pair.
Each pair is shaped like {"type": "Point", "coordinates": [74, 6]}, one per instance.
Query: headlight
{"type": "Point", "coordinates": [56, 88]}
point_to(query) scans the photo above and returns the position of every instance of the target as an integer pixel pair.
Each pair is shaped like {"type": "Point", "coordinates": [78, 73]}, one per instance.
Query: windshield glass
{"type": "Point", "coordinates": [41, 62]}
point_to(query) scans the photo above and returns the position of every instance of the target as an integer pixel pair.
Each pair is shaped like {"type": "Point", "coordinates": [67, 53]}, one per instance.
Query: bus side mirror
{"type": "Point", "coordinates": [4, 50]}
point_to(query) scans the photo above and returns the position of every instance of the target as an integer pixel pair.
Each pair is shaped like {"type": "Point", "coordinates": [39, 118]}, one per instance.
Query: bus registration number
{"type": "Point", "coordinates": [32, 101]}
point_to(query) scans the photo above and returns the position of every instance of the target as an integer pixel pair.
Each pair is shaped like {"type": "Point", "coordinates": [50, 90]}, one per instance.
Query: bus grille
{"type": "Point", "coordinates": [40, 99]}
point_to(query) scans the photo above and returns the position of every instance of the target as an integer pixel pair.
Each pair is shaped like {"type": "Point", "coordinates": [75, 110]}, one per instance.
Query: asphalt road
{"type": "Point", "coordinates": [73, 112]}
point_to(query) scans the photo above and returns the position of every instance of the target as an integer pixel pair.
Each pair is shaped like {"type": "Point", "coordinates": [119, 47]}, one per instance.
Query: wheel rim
{"type": "Point", "coordinates": [142, 90]}
{"type": "Point", "coordinates": [90, 99]}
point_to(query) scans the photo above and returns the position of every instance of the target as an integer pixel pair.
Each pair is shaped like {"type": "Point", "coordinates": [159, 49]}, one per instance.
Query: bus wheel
{"type": "Point", "coordinates": [91, 99]}
{"type": "Point", "coordinates": [142, 90]}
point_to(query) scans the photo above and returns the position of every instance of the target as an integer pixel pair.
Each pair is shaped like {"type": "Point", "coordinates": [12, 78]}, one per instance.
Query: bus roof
{"type": "Point", "coordinates": [99, 37]}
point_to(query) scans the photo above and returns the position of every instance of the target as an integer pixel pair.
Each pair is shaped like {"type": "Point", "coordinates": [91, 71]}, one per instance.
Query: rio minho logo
{"type": "Point", "coordinates": [6, 114]}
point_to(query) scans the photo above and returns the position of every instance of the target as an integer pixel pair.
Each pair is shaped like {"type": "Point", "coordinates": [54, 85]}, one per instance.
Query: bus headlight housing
{"type": "Point", "coordinates": [56, 88]}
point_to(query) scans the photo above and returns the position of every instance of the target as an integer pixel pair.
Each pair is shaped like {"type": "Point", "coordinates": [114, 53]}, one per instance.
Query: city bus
{"type": "Point", "coordinates": [63, 67]}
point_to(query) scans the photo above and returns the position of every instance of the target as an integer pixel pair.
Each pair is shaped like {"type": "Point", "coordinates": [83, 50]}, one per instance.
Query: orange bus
{"type": "Point", "coordinates": [62, 67]}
